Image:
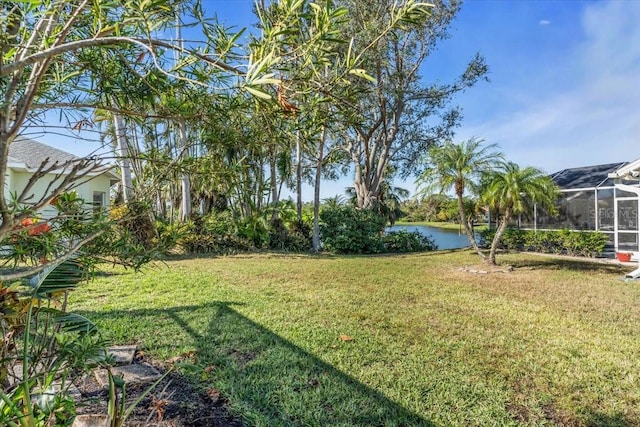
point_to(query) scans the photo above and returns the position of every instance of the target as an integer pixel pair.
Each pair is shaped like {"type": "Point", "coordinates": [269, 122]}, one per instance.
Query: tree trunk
{"type": "Point", "coordinates": [467, 227]}
{"type": "Point", "coordinates": [316, 193]}
{"type": "Point", "coordinates": [185, 202]}
{"type": "Point", "coordinates": [298, 177]}
{"type": "Point", "coordinates": [366, 190]}
{"type": "Point", "coordinates": [273, 183]}
{"type": "Point", "coordinates": [125, 158]}
{"type": "Point", "coordinates": [162, 206]}
{"type": "Point", "coordinates": [496, 238]}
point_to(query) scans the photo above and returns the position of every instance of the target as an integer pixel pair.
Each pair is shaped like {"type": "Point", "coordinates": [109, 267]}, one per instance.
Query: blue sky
{"type": "Point", "coordinates": [564, 86]}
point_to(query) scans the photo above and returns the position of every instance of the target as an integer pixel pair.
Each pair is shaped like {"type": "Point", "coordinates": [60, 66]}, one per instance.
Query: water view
{"type": "Point", "coordinates": [445, 239]}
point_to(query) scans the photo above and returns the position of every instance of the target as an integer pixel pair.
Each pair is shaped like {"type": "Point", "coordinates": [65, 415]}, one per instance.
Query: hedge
{"type": "Point", "coordinates": [568, 242]}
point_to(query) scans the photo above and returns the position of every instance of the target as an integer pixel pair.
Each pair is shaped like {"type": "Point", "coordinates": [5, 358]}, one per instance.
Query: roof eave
{"type": "Point", "coordinates": [630, 171]}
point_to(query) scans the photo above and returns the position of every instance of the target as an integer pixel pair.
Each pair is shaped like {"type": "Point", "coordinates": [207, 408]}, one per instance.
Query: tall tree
{"type": "Point", "coordinates": [400, 115]}
{"type": "Point", "coordinates": [323, 63]}
{"type": "Point", "coordinates": [51, 57]}
{"type": "Point", "coordinates": [459, 168]}
{"type": "Point", "coordinates": [512, 190]}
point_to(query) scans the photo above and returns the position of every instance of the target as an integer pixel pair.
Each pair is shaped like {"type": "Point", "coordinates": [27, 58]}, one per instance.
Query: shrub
{"type": "Point", "coordinates": [136, 220]}
{"type": "Point", "coordinates": [293, 238]}
{"type": "Point", "coordinates": [405, 241]}
{"type": "Point", "coordinates": [347, 230]}
{"type": "Point", "coordinates": [577, 243]}
{"type": "Point", "coordinates": [214, 233]}
{"type": "Point", "coordinates": [42, 344]}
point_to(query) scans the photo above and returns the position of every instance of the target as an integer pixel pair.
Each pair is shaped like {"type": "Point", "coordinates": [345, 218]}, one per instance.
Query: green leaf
{"type": "Point", "coordinates": [258, 93]}
{"type": "Point", "coordinates": [363, 74]}
{"type": "Point", "coordinates": [65, 276]}
{"type": "Point", "coordinates": [72, 322]}
{"type": "Point", "coordinates": [71, 271]}
{"type": "Point", "coordinates": [266, 79]}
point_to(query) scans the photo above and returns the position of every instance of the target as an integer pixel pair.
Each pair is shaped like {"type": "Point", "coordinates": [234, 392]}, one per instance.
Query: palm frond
{"type": "Point", "coordinates": [58, 278]}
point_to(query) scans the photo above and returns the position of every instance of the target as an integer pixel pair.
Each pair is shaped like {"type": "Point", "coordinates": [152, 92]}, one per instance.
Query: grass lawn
{"type": "Point", "coordinates": [555, 342]}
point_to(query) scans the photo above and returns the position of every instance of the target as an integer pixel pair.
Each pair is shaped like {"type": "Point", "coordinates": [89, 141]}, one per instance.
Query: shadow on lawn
{"type": "Point", "coordinates": [597, 419]}
{"type": "Point", "coordinates": [268, 379]}
{"type": "Point", "coordinates": [558, 263]}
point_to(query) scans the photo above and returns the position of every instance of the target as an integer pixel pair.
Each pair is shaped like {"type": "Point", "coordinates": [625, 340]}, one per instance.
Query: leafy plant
{"type": "Point", "coordinates": [292, 237]}
{"type": "Point", "coordinates": [348, 230]}
{"type": "Point", "coordinates": [43, 345]}
{"type": "Point", "coordinates": [255, 229]}
{"type": "Point", "coordinates": [568, 242]}
{"type": "Point", "coordinates": [213, 233]}
{"type": "Point", "coordinates": [117, 408]}
{"type": "Point", "coordinates": [408, 241]}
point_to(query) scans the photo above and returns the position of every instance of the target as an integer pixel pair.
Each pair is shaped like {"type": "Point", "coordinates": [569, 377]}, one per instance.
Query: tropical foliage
{"type": "Point", "coordinates": [345, 229]}
{"type": "Point", "coordinates": [206, 124]}
{"type": "Point", "coordinates": [43, 347]}
{"type": "Point", "coordinates": [459, 168]}
{"type": "Point", "coordinates": [206, 135]}
{"type": "Point", "coordinates": [511, 190]}
{"type": "Point", "coordinates": [437, 207]}
{"type": "Point", "coordinates": [567, 242]}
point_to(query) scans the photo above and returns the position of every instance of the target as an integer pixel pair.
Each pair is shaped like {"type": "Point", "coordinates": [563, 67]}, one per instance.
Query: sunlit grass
{"type": "Point", "coordinates": [553, 342]}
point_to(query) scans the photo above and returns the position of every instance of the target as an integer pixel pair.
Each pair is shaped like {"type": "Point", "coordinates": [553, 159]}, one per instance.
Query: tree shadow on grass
{"type": "Point", "coordinates": [267, 379]}
{"type": "Point", "coordinates": [597, 419]}
{"type": "Point", "coordinates": [560, 264]}
{"type": "Point", "coordinates": [557, 263]}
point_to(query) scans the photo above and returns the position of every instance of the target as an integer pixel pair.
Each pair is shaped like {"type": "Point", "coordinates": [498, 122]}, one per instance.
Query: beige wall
{"type": "Point", "coordinates": [18, 180]}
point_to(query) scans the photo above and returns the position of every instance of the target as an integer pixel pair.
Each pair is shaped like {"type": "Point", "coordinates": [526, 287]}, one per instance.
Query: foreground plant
{"type": "Point", "coordinates": [43, 347]}
{"type": "Point", "coordinates": [117, 408]}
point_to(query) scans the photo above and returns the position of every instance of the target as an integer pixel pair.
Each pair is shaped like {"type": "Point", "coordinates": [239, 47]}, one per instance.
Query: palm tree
{"type": "Point", "coordinates": [512, 190]}
{"type": "Point", "coordinates": [459, 167]}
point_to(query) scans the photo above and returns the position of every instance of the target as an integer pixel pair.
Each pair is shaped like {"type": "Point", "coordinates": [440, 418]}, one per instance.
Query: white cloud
{"type": "Point", "coordinates": [596, 120]}
{"type": "Point", "coordinates": [544, 22]}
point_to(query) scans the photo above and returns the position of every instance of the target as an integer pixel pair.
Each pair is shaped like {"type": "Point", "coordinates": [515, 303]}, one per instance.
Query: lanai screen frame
{"type": "Point", "coordinates": [596, 216]}
{"type": "Point", "coordinates": [604, 216]}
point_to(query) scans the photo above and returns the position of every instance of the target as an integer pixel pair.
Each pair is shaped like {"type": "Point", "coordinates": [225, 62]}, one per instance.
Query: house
{"type": "Point", "coordinates": [627, 187]}
{"type": "Point", "coordinates": [25, 158]}
{"type": "Point", "coordinates": [601, 198]}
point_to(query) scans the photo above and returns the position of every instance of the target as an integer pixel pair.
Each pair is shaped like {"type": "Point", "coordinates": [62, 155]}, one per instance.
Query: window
{"type": "Point", "coordinates": [98, 200]}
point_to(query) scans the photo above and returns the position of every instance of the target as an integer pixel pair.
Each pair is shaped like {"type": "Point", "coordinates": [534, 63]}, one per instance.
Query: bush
{"type": "Point", "coordinates": [405, 241]}
{"type": "Point", "coordinates": [214, 233]}
{"type": "Point", "coordinates": [294, 238]}
{"type": "Point", "coordinates": [222, 233]}
{"type": "Point", "coordinates": [347, 230]}
{"type": "Point", "coordinates": [568, 242]}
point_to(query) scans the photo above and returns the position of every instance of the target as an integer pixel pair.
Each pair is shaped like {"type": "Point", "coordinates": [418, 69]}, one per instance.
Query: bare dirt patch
{"type": "Point", "coordinates": [175, 402]}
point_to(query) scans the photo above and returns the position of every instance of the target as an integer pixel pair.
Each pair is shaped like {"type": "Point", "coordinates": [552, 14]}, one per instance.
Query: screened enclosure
{"type": "Point", "coordinates": [592, 200]}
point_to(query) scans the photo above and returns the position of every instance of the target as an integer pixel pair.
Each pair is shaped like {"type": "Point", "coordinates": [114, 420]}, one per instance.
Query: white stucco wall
{"type": "Point", "coordinates": [18, 180]}
{"type": "Point", "coordinates": [7, 182]}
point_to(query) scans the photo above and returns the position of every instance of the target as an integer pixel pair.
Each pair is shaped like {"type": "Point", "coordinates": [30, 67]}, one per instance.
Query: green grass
{"type": "Point", "coordinates": [554, 342]}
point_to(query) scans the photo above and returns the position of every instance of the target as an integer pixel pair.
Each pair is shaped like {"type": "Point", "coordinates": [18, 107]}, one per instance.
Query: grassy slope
{"type": "Point", "coordinates": [554, 342]}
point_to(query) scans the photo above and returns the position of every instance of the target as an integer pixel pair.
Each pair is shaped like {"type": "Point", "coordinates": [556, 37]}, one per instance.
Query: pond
{"type": "Point", "coordinates": [444, 238]}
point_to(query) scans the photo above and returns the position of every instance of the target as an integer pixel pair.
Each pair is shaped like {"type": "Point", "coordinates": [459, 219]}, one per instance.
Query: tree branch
{"type": "Point", "coordinates": [70, 253]}
{"type": "Point", "coordinates": [107, 41]}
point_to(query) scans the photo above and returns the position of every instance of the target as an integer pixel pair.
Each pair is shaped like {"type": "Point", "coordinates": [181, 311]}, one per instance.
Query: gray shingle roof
{"type": "Point", "coordinates": [33, 153]}
{"type": "Point", "coordinates": [586, 177]}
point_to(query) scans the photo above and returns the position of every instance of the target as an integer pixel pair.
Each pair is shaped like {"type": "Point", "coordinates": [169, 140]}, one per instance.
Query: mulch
{"type": "Point", "coordinates": [175, 402]}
